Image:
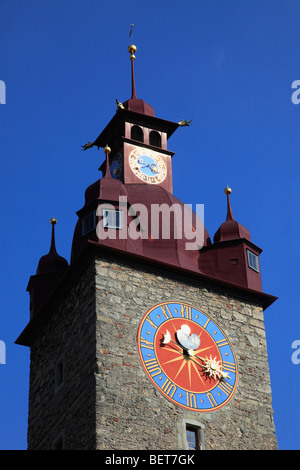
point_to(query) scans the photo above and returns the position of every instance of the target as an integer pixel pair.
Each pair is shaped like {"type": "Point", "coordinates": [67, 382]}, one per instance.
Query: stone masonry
{"type": "Point", "coordinates": [106, 400]}
{"type": "Point", "coordinates": [130, 412]}
{"type": "Point", "coordinates": [69, 334]}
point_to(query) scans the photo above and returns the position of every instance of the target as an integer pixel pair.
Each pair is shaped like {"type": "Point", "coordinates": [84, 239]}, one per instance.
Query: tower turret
{"type": "Point", "coordinates": [232, 256]}
{"type": "Point", "coordinates": [50, 269]}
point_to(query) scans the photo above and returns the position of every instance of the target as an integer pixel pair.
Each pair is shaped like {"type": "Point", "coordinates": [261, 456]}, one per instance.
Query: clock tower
{"type": "Point", "coordinates": [153, 336]}
{"type": "Point", "coordinates": [138, 141]}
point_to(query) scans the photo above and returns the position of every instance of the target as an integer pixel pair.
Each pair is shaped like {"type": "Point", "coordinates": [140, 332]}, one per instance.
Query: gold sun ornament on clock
{"type": "Point", "coordinates": [213, 368]}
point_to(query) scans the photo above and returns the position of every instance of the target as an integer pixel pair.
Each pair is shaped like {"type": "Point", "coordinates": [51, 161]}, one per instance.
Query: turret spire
{"type": "Point", "coordinates": [132, 50]}
{"type": "Point", "coordinates": [52, 262]}
{"type": "Point", "coordinates": [227, 191]}
{"type": "Point", "coordinates": [135, 104]}
{"type": "Point", "coordinates": [107, 151]}
{"type": "Point", "coordinates": [230, 229]}
{"type": "Point", "coordinates": [53, 222]}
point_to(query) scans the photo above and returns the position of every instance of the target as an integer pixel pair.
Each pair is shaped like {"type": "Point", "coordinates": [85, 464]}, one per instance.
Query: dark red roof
{"type": "Point", "coordinates": [231, 229]}
{"type": "Point", "coordinates": [171, 249]}
{"type": "Point", "coordinates": [139, 106]}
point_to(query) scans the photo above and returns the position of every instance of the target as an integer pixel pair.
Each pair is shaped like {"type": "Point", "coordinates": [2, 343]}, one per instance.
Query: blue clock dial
{"type": "Point", "coordinates": [187, 356]}
{"type": "Point", "coordinates": [147, 165]}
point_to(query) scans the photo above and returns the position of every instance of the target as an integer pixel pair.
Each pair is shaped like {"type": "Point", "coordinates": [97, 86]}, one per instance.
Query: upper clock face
{"type": "Point", "coordinates": [116, 166]}
{"type": "Point", "coordinates": [187, 356]}
{"type": "Point", "coordinates": [147, 165]}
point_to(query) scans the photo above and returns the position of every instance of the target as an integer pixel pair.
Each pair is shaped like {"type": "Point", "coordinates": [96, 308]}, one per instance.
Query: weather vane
{"type": "Point", "coordinates": [131, 32]}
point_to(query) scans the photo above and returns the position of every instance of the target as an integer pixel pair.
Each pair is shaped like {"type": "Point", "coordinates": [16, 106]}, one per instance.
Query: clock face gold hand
{"type": "Point", "coordinates": [152, 167]}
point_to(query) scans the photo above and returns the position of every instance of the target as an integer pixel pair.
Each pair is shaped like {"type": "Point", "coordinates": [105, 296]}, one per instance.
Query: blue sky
{"type": "Point", "coordinates": [229, 66]}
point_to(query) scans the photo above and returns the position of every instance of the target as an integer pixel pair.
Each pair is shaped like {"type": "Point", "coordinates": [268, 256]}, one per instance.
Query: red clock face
{"type": "Point", "coordinates": [181, 366]}
{"type": "Point", "coordinates": [187, 356]}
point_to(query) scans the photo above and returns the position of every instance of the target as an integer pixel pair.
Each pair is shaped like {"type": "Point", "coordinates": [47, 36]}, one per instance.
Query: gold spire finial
{"type": "Point", "coordinates": [227, 190]}
{"type": "Point", "coordinates": [107, 149]}
{"type": "Point", "coordinates": [132, 50]}
{"type": "Point", "coordinates": [53, 221]}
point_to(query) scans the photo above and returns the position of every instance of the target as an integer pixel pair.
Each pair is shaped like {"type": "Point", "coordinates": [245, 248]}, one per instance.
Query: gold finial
{"type": "Point", "coordinates": [227, 190]}
{"type": "Point", "coordinates": [53, 221]}
{"type": "Point", "coordinates": [107, 149]}
{"type": "Point", "coordinates": [132, 50]}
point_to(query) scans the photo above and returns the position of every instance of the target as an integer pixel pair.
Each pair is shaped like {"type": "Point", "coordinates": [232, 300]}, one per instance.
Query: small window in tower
{"type": "Point", "coordinates": [112, 218]}
{"type": "Point", "coordinates": [194, 435]}
{"type": "Point", "coordinates": [88, 223]}
{"type": "Point", "coordinates": [253, 261]}
{"type": "Point", "coordinates": [59, 373]}
{"type": "Point", "coordinates": [155, 139]}
{"type": "Point", "coordinates": [191, 437]}
{"type": "Point", "coordinates": [137, 134]}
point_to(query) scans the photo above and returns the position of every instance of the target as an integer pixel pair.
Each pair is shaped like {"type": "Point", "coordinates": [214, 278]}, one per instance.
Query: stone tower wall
{"type": "Point", "coordinates": [130, 412]}
{"type": "Point", "coordinates": [107, 400]}
{"type": "Point", "coordinates": [69, 334]}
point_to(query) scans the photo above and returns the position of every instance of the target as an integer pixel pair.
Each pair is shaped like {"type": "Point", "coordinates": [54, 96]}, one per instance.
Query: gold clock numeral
{"type": "Point", "coordinates": [225, 387]}
{"type": "Point", "coordinates": [151, 322]}
{"type": "Point", "coordinates": [211, 399]}
{"type": "Point", "coordinates": [166, 311]}
{"type": "Point", "coordinates": [169, 387]}
{"type": "Point", "coordinates": [186, 311]}
{"type": "Point", "coordinates": [153, 367]}
{"type": "Point", "coordinates": [222, 342]}
{"type": "Point", "coordinates": [230, 366]}
{"type": "Point", "coordinates": [191, 400]}
{"type": "Point", "coordinates": [146, 344]}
